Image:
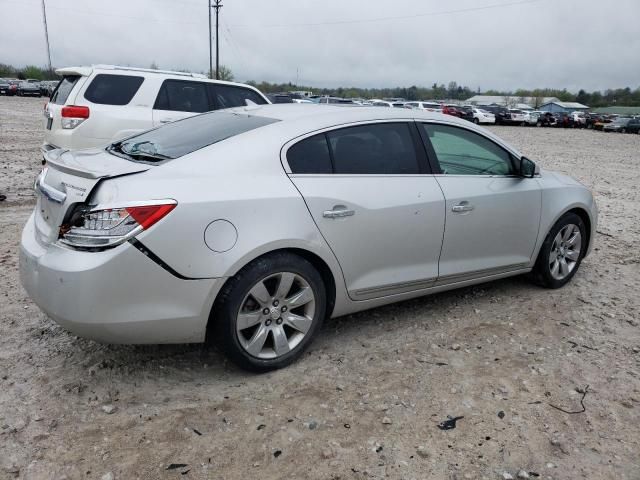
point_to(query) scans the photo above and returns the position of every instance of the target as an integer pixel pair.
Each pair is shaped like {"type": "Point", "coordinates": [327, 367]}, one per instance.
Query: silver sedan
{"type": "Point", "coordinates": [248, 227]}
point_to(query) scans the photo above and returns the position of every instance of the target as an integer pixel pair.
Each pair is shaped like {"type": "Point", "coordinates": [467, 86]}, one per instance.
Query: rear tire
{"type": "Point", "coordinates": [269, 312]}
{"type": "Point", "coordinates": [476, 121]}
{"type": "Point", "coordinates": [561, 253]}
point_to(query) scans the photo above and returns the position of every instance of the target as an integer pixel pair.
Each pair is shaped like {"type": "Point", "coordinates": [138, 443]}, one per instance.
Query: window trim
{"type": "Point", "coordinates": [435, 163]}
{"type": "Point", "coordinates": [424, 167]}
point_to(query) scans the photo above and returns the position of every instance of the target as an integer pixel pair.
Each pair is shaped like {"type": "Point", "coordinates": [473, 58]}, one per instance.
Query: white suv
{"type": "Point", "coordinates": [96, 105]}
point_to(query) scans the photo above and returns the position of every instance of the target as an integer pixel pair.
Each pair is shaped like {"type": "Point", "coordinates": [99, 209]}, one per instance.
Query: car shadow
{"type": "Point", "coordinates": [197, 362]}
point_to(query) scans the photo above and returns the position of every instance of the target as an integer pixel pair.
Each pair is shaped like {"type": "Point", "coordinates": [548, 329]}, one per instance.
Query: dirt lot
{"type": "Point", "coordinates": [366, 399]}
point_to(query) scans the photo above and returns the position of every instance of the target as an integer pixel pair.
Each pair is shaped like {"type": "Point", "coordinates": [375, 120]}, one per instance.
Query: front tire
{"type": "Point", "coordinates": [268, 313]}
{"type": "Point", "coordinates": [561, 253]}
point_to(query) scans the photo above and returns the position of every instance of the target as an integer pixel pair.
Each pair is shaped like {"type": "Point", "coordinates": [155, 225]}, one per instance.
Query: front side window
{"type": "Point", "coordinates": [380, 148]}
{"type": "Point", "coordinates": [227, 96]}
{"type": "Point", "coordinates": [462, 152]}
{"type": "Point", "coordinates": [107, 89]}
{"type": "Point", "coordinates": [182, 96]}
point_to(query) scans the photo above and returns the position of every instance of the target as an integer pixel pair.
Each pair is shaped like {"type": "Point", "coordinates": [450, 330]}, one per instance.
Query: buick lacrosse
{"type": "Point", "coordinates": [247, 227]}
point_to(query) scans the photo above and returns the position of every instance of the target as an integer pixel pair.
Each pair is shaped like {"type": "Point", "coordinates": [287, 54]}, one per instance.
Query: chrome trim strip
{"type": "Point", "coordinates": [461, 277]}
{"type": "Point", "coordinates": [391, 289]}
{"type": "Point", "coordinates": [51, 193]}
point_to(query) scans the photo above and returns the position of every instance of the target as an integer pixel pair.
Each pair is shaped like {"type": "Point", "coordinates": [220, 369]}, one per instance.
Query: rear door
{"type": "Point", "coordinates": [492, 214]}
{"type": "Point", "coordinates": [374, 200]}
{"type": "Point", "coordinates": [178, 99]}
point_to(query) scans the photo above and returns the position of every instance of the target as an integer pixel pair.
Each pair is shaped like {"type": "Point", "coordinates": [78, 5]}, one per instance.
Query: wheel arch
{"type": "Point", "coordinates": [584, 216]}
{"type": "Point", "coordinates": [320, 264]}
{"type": "Point", "coordinates": [578, 209]}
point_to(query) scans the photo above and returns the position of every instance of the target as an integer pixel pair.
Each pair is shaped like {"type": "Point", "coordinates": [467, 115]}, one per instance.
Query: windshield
{"type": "Point", "coordinates": [185, 136]}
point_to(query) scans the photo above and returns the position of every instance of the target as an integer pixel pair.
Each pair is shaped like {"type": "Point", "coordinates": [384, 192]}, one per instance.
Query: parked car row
{"type": "Point", "coordinates": [30, 86]}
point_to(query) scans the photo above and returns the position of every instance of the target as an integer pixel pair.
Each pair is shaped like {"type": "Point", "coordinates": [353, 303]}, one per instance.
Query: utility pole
{"type": "Point", "coordinates": [210, 54]}
{"type": "Point", "coordinates": [46, 36]}
{"type": "Point", "coordinates": [217, 6]}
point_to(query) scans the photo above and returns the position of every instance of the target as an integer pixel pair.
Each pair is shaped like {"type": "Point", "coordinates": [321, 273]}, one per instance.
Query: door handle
{"type": "Point", "coordinates": [462, 207]}
{"type": "Point", "coordinates": [339, 211]}
{"type": "Point", "coordinates": [168, 120]}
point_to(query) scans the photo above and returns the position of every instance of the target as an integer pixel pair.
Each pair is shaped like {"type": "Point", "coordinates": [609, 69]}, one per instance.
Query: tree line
{"type": "Point", "coordinates": [452, 91]}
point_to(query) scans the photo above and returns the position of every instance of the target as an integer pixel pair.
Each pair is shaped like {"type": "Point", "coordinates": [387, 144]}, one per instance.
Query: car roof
{"type": "Point", "coordinates": [324, 116]}
{"type": "Point", "coordinates": [85, 71]}
{"type": "Point", "coordinates": [299, 120]}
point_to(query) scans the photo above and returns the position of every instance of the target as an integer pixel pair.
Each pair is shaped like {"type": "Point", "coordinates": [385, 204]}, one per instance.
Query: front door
{"type": "Point", "coordinates": [377, 207]}
{"type": "Point", "coordinates": [492, 214]}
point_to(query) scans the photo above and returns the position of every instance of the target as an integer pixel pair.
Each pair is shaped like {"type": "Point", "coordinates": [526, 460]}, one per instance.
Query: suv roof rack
{"type": "Point", "coordinates": [149, 70]}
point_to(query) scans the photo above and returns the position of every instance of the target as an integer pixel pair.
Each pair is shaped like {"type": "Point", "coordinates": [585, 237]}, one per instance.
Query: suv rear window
{"type": "Point", "coordinates": [107, 89]}
{"type": "Point", "coordinates": [64, 88]}
{"type": "Point", "coordinates": [179, 138]}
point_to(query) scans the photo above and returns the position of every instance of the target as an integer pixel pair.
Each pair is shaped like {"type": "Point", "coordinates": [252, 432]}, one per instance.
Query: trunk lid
{"type": "Point", "coordinates": [68, 179]}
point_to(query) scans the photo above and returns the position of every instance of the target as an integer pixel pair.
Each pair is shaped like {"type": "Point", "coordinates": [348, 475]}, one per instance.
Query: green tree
{"type": "Point", "coordinates": [225, 73]}
{"type": "Point", "coordinates": [31, 71]}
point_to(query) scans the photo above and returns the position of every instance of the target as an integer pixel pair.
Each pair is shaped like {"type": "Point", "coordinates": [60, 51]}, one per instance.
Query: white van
{"type": "Point", "coordinates": [93, 106]}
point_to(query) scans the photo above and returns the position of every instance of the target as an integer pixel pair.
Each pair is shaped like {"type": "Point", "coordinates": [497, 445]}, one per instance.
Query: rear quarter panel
{"type": "Point", "coordinates": [233, 181]}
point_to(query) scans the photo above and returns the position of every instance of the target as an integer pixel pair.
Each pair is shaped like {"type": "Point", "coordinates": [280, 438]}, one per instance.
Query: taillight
{"type": "Point", "coordinates": [101, 227]}
{"type": "Point", "coordinates": [73, 115]}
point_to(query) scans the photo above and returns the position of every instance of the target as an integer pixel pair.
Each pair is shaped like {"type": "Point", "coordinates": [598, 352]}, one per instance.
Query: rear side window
{"type": "Point", "coordinates": [182, 96]}
{"type": "Point", "coordinates": [227, 96]}
{"type": "Point", "coordinates": [64, 88]}
{"type": "Point", "coordinates": [381, 148]}
{"type": "Point", "coordinates": [107, 89]}
{"type": "Point", "coordinates": [375, 149]}
{"type": "Point", "coordinates": [310, 155]}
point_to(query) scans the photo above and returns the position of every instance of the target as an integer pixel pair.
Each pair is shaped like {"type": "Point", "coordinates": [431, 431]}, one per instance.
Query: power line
{"type": "Point", "coordinates": [102, 14]}
{"type": "Point", "coordinates": [385, 19]}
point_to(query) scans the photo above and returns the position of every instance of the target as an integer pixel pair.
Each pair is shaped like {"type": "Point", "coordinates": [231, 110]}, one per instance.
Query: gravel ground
{"type": "Point", "coordinates": [366, 399]}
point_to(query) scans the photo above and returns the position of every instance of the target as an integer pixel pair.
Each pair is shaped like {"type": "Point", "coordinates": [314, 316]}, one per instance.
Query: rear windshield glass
{"type": "Point", "coordinates": [185, 136]}
{"type": "Point", "coordinates": [107, 89]}
{"type": "Point", "coordinates": [64, 88]}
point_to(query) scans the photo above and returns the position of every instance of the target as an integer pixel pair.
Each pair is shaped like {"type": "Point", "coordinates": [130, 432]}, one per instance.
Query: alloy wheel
{"type": "Point", "coordinates": [275, 315]}
{"type": "Point", "coordinates": [565, 251]}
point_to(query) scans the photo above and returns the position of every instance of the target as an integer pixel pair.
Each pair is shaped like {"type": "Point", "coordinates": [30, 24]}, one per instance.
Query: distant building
{"type": "Point", "coordinates": [510, 101]}
{"type": "Point", "coordinates": [628, 111]}
{"type": "Point", "coordinates": [302, 93]}
{"type": "Point", "coordinates": [564, 107]}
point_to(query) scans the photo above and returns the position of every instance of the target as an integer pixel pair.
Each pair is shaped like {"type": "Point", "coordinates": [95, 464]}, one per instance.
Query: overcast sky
{"type": "Point", "coordinates": [500, 44]}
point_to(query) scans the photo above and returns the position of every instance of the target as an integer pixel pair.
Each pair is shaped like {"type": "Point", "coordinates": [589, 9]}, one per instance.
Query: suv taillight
{"type": "Point", "coordinates": [73, 115]}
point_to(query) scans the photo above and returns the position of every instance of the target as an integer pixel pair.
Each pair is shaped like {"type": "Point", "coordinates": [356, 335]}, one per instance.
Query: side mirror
{"type": "Point", "coordinates": [528, 168]}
